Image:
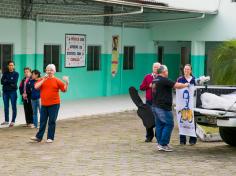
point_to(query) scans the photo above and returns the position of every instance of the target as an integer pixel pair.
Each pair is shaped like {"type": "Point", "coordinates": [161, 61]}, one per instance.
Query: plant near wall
{"type": "Point", "coordinates": [223, 64]}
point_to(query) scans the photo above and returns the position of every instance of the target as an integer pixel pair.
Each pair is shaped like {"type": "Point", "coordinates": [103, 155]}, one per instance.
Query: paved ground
{"type": "Point", "coordinates": [108, 145]}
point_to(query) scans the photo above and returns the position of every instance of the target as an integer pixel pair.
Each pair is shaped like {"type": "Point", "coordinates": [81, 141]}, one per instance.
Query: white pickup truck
{"type": "Point", "coordinates": [224, 119]}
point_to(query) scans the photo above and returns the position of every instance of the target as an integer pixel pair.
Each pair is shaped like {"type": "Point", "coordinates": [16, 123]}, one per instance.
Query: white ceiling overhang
{"type": "Point", "coordinates": [153, 4]}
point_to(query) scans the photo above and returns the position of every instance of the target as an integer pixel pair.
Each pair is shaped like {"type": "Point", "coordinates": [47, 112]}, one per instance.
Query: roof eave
{"type": "Point", "coordinates": [157, 7]}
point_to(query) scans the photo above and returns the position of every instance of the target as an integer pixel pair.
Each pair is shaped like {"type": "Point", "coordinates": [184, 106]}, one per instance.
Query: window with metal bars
{"type": "Point", "coordinates": [52, 56]}
{"type": "Point", "coordinates": [6, 54]}
{"type": "Point", "coordinates": [94, 58]}
{"type": "Point", "coordinates": [129, 53]}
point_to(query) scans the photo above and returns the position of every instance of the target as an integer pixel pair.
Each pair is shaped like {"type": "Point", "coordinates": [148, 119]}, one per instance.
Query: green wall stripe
{"type": "Point", "coordinates": [172, 61]}
{"type": "Point", "coordinates": [198, 65]}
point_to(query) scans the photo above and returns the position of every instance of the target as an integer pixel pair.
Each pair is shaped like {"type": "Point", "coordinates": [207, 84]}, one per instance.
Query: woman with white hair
{"type": "Point", "coordinates": [49, 87]}
{"type": "Point", "coordinates": [147, 87]}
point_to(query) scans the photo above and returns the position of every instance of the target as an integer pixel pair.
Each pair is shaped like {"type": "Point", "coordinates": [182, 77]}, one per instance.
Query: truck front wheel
{"type": "Point", "coordinates": [228, 134]}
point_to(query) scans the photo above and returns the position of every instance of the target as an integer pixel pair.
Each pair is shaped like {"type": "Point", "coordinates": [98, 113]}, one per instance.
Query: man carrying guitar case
{"type": "Point", "coordinates": [144, 111]}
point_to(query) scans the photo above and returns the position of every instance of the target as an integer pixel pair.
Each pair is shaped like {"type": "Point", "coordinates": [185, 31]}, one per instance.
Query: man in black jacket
{"type": "Point", "coordinates": [162, 107]}
{"type": "Point", "coordinates": [9, 82]}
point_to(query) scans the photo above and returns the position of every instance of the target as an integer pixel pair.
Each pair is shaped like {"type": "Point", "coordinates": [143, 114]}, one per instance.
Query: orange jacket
{"type": "Point", "coordinates": [49, 91]}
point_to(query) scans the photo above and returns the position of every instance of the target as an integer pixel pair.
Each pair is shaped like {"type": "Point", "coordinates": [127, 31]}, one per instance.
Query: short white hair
{"type": "Point", "coordinates": [52, 67]}
{"type": "Point", "coordinates": [156, 63]}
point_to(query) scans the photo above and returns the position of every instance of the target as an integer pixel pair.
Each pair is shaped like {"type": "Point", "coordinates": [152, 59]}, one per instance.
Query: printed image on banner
{"type": "Point", "coordinates": [75, 50]}
{"type": "Point", "coordinates": [184, 111]}
{"type": "Point", "coordinates": [115, 55]}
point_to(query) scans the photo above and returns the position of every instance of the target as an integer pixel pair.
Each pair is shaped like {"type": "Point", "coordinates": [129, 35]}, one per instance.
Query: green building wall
{"type": "Point", "coordinates": [83, 83]}
{"type": "Point", "coordinates": [29, 37]}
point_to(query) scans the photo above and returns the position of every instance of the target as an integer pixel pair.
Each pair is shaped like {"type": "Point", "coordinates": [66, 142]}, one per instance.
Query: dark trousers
{"type": "Point", "coordinates": [149, 131]}
{"type": "Point", "coordinates": [48, 114]}
{"type": "Point", "coordinates": [192, 140]}
{"type": "Point", "coordinates": [10, 96]}
{"type": "Point", "coordinates": [28, 111]}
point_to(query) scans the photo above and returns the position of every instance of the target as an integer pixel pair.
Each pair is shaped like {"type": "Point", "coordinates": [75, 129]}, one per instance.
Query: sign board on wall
{"type": "Point", "coordinates": [75, 45]}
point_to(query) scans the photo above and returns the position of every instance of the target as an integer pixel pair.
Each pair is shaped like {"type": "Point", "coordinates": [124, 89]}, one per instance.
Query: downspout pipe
{"type": "Point", "coordinates": [122, 59]}
{"type": "Point", "coordinates": [36, 40]}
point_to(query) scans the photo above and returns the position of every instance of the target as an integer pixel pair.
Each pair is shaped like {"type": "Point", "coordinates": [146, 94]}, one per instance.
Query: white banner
{"type": "Point", "coordinates": [184, 111]}
{"type": "Point", "coordinates": [75, 50]}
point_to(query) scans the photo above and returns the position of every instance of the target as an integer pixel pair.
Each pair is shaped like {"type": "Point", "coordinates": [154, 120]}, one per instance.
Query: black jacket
{"type": "Point", "coordinates": [9, 81]}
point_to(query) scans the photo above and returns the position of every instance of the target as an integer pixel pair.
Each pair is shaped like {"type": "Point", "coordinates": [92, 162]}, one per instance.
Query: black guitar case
{"type": "Point", "coordinates": [144, 111]}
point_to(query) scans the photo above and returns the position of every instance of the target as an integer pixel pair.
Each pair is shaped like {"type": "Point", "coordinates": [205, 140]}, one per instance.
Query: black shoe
{"type": "Point", "coordinates": [192, 143]}
{"type": "Point", "coordinates": [148, 140]}
{"type": "Point", "coordinates": [182, 143]}
{"type": "Point", "coordinates": [35, 139]}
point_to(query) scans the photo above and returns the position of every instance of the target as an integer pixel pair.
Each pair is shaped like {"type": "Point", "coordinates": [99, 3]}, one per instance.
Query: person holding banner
{"type": "Point", "coordinates": [147, 87]}
{"type": "Point", "coordinates": [162, 107]}
{"type": "Point", "coordinates": [184, 107]}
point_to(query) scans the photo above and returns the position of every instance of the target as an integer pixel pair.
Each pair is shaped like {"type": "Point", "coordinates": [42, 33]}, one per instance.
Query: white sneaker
{"type": "Point", "coordinates": [31, 126]}
{"type": "Point", "coordinates": [5, 123]}
{"type": "Point", "coordinates": [167, 145]}
{"type": "Point", "coordinates": [164, 148]}
{"type": "Point", "coordinates": [12, 124]}
{"type": "Point", "coordinates": [167, 149]}
{"type": "Point", "coordinates": [160, 147]}
{"type": "Point", "coordinates": [49, 141]}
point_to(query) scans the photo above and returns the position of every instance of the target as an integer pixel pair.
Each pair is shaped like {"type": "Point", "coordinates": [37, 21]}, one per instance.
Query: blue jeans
{"type": "Point", "coordinates": [36, 107]}
{"type": "Point", "coordinates": [12, 95]}
{"type": "Point", "coordinates": [48, 113]}
{"type": "Point", "coordinates": [164, 125]}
